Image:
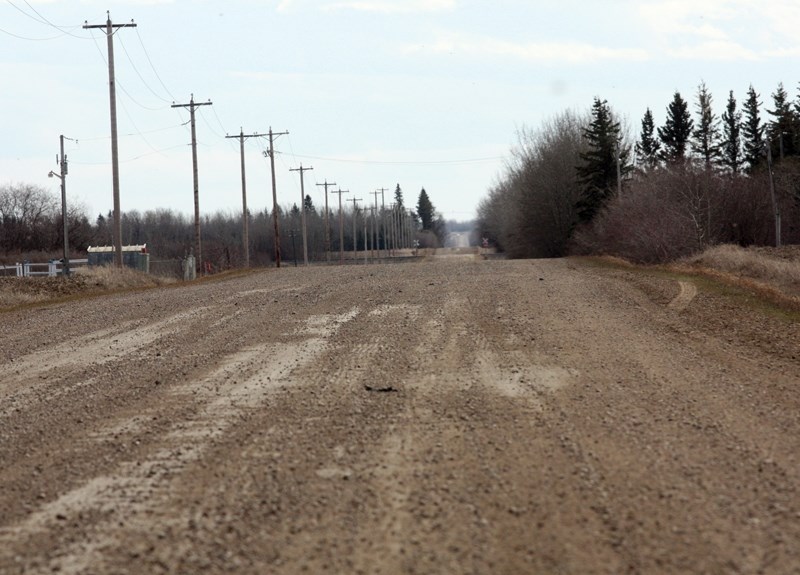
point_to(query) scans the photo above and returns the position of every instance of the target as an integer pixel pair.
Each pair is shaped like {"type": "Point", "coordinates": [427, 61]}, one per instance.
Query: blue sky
{"type": "Point", "coordinates": [424, 93]}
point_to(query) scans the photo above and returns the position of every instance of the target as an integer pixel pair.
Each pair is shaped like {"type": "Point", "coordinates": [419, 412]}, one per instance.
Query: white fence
{"type": "Point", "coordinates": [49, 269]}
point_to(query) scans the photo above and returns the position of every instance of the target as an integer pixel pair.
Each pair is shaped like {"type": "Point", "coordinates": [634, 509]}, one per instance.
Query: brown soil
{"type": "Point", "coordinates": [454, 415]}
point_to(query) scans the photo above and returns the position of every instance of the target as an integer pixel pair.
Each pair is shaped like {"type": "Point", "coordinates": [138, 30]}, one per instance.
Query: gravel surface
{"type": "Point", "coordinates": [453, 415]}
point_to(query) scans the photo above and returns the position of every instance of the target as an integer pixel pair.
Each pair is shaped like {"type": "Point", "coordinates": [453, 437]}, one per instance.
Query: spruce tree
{"type": "Point", "coordinates": [705, 139]}
{"type": "Point", "coordinates": [752, 131]}
{"type": "Point", "coordinates": [677, 130]}
{"type": "Point", "coordinates": [425, 210]}
{"type": "Point", "coordinates": [648, 146]}
{"type": "Point", "coordinates": [598, 170]}
{"type": "Point", "coordinates": [308, 204]}
{"type": "Point", "coordinates": [731, 146]}
{"type": "Point", "coordinates": [783, 127]}
{"type": "Point", "coordinates": [398, 197]}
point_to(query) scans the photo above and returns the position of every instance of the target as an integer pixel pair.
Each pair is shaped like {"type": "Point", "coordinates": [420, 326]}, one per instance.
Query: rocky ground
{"type": "Point", "coordinates": [454, 415]}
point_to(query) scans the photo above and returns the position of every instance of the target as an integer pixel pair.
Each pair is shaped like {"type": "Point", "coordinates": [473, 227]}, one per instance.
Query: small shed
{"type": "Point", "coordinates": [136, 257]}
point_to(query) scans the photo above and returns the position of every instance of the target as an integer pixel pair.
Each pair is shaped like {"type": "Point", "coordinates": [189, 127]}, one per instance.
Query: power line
{"type": "Point", "coordinates": [409, 163]}
{"type": "Point", "coordinates": [153, 67]}
{"type": "Point", "coordinates": [135, 69]}
{"type": "Point", "coordinates": [42, 20]}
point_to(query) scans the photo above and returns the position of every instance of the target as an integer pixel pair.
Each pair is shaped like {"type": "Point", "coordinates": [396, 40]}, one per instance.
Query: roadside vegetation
{"type": "Point", "coordinates": [580, 184]}
{"type": "Point", "coordinates": [31, 229]}
{"type": "Point", "coordinates": [16, 292]}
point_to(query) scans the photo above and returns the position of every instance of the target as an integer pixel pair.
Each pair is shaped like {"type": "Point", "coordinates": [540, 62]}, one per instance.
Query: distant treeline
{"type": "Point", "coordinates": [579, 184]}
{"type": "Point", "coordinates": [31, 228]}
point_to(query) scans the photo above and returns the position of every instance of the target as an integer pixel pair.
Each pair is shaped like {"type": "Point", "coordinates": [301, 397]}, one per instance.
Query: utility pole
{"type": "Point", "coordinates": [327, 225]}
{"type": "Point", "coordinates": [341, 224]}
{"type": "Point", "coordinates": [62, 162]}
{"type": "Point", "coordinates": [245, 235]}
{"type": "Point", "coordinates": [112, 96]}
{"type": "Point", "coordinates": [301, 169]}
{"type": "Point", "coordinates": [374, 215]}
{"type": "Point", "coordinates": [776, 208]}
{"type": "Point", "coordinates": [383, 218]}
{"type": "Point", "coordinates": [355, 236]}
{"type": "Point", "coordinates": [271, 154]}
{"type": "Point", "coordinates": [392, 244]}
{"type": "Point", "coordinates": [191, 106]}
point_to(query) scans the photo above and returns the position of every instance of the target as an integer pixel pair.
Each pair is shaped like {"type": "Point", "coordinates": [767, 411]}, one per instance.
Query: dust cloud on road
{"type": "Point", "coordinates": [446, 416]}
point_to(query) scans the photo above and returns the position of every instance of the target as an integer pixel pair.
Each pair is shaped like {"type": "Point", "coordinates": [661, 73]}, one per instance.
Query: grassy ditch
{"type": "Point", "coordinates": [767, 279]}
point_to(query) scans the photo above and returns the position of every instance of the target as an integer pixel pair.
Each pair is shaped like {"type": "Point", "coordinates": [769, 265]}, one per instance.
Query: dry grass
{"type": "Point", "coordinates": [112, 278]}
{"type": "Point", "coordinates": [19, 292]}
{"type": "Point", "coordinates": [773, 273]}
{"type": "Point", "coordinates": [774, 267]}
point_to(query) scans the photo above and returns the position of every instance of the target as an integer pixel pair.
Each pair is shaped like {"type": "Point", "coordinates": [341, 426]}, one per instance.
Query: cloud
{"type": "Point", "coordinates": [393, 6]}
{"type": "Point", "coordinates": [541, 52]}
{"type": "Point", "coordinates": [721, 50]}
{"type": "Point", "coordinates": [721, 30]}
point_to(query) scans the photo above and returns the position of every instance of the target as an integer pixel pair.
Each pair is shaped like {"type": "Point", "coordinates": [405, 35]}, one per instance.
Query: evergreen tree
{"type": "Point", "coordinates": [308, 204]}
{"type": "Point", "coordinates": [425, 210]}
{"type": "Point", "coordinates": [705, 139]}
{"type": "Point", "coordinates": [598, 170]}
{"type": "Point", "coordinates": [731, 146]}
{"type": "Point", "coordinates": [398, 197]}
{"type": "Point", "coordinates": [675, 133]}
{"type": "Point", "coordinates": [783, 127]}
{"type": "Point", "coordinates": [648, 146]}
{"type": "Point", "coordinates": [752, 131]}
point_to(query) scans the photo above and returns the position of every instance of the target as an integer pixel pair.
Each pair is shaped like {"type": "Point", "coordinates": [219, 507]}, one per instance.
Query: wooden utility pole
{"type": "Point", "coordinates": [392, 235]}
{"type": "Point", "coordinates": [374, 226]}
{"type": "Point", "coordinates": [191, 107]}
{"type": "Point", "coordinates": [108, 27]}
{"type": "Point", "coordinates": [301, 169]}
{"type": "Point", "coordinates": [776, 208]}
{"type": "Point", "coordinates": [271, 154]}
{"type": "Point", "coordinates": [341, 224]}
{"type": "Point", "coordinates": [355, 236]}
{"type": "Point", "coordinates": [383, 219]}
{"type": "Point", "coordinates": [245, 233]}
{"type": "Point", "coordinates": [327, 225]}
{"type": "Point", "coordinates": [62, 162]}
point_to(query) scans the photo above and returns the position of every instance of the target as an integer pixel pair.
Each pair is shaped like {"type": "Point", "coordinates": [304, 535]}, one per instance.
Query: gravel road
{"type": "Point", "coordinates": [453, 415]}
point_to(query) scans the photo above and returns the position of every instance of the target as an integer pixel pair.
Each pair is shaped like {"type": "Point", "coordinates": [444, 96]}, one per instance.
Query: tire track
{"type": "Point", "coordinates": [137, 488]}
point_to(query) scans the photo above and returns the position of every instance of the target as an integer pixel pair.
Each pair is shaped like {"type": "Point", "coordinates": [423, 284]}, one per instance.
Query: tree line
{"type": "Point", "coordinates": [31, 228]}
{"type": "Point", "coordinates": [581, 184]}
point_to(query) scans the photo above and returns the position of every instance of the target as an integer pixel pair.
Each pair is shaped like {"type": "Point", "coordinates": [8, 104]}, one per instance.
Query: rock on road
{"type": "Point", "coordinates": [448, 416]}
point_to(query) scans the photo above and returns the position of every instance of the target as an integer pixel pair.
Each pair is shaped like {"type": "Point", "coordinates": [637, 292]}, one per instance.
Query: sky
{"type": "Point", "coordinates": [374, 93]}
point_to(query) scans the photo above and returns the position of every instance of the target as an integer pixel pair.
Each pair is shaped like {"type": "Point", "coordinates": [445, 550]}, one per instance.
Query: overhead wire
{"type": "Point", "coordinates": [135, 69]}
{"type": "Point", "coordinates": [147, 55]}
{"type": "Point", "coordinates": [65, 30]}
{"type": "Point", "coordinates": [401, 163]}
